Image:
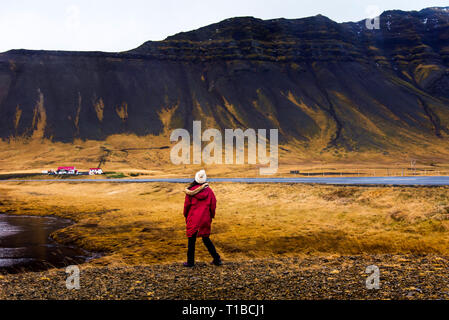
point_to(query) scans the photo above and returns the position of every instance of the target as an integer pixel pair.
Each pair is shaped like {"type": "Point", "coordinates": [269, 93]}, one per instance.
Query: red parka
{"type": "Point", "coordinates": [199, 210]}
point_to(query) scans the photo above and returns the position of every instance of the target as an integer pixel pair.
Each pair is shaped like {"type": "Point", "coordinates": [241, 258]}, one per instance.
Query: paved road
{"type": "Point", "coordinates": [409, 181]}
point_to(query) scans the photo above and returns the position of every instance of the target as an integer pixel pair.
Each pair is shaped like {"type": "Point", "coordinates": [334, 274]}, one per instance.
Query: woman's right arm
{"type": "Point", "coordinates": [213, 205]}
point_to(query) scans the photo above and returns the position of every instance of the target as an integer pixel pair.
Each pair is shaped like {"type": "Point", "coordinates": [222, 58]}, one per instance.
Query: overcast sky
{"type": "Point", "coordinates": [111, 25]}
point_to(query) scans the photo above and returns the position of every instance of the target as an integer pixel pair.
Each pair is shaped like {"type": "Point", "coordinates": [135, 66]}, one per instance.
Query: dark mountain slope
{"type": "Point", "coordinates": [323, 84]}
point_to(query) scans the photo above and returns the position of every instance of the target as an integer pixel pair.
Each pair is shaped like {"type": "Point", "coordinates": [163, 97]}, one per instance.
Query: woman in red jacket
{"type": "Point", "coordinates": [199, 210]}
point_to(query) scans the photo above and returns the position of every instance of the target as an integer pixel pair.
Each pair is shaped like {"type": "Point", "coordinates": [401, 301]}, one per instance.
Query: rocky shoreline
{"type": "Point", "coordinates": [344, 277]}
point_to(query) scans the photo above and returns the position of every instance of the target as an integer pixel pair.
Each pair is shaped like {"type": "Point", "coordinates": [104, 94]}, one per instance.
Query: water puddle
{"type": "Point", "coordinates": [25, 244]}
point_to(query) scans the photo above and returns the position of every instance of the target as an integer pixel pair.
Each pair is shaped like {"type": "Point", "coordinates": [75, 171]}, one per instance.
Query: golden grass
{"type": "Point", "coordinates": [326, 125]}
{"type": "Point", "coordinates": [422, 71]}
{"type": "Point", "coordinates": [99, 109]}
{"type": "Point", "coordinates": [142, 223]}
{"type": "Point", "coordinates": [150, 155]}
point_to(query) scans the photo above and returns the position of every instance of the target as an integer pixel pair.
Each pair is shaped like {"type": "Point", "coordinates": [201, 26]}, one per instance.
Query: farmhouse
{"type": "Point", "coordinates": [66, 170]}
{"type": "Point", "coordinates": [94, 171]}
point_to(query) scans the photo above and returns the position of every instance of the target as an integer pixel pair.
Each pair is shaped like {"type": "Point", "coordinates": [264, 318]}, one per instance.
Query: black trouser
{"type": "Point", "coordinates": [191, 249]}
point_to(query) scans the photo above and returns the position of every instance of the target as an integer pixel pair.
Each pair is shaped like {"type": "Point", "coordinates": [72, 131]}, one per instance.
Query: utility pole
{"type": "Point", "coordinates": [413, 166]}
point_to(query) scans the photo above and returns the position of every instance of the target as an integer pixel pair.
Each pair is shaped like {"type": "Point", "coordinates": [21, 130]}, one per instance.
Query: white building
{"type": "Point", "coordinates": [94, 171]}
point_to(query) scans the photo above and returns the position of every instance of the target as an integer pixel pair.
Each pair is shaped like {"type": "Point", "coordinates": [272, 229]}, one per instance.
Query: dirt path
{"type": "Point", "coordinates": [401, 277]}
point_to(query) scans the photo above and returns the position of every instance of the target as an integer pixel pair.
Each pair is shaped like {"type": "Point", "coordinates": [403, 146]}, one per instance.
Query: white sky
{"type": "Point", "coordinates": [111, 25]}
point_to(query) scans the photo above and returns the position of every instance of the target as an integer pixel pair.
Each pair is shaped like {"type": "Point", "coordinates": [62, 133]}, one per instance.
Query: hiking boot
{"type": "Point", "coordinates": [216, 262]}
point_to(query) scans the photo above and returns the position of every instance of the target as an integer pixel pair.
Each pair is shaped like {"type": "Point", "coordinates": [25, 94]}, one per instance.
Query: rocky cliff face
{"type": "Point", "coordinates": [323, 84]}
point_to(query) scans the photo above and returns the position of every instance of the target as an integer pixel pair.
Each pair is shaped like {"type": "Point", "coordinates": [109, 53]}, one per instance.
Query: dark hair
{"type": "Point", "coordinates": [192, 184]}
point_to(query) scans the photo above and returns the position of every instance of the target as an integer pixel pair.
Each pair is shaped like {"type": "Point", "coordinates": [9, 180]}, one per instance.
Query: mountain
{"type": "Point", "coordinates": [325, 85]}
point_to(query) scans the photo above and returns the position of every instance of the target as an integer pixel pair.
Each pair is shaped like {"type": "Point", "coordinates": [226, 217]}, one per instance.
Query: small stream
{"type": "Point", "coordinates": [25, 244]}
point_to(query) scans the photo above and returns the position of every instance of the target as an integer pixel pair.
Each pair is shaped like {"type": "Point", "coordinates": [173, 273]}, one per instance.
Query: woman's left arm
{"type": "Point", "coordinates": [186, 206]}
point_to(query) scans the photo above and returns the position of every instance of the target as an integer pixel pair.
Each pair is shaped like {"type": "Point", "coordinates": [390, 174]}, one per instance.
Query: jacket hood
{"type": "Point", "coordinates": [197, 191]}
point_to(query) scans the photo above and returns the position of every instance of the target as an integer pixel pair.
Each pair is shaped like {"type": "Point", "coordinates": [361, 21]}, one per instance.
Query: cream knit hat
{"type": "Point", "coordinates": [201, 177]}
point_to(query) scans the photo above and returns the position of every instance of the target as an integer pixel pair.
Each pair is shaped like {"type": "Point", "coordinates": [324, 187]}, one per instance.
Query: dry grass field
{"type": "Point", "coordinates": [150, 156]}
{"type": "Point", "coordinates": [142, 223]}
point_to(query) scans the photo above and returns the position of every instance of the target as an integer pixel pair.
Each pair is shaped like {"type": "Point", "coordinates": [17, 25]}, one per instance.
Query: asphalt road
{"type": "Point", "coordinates": [408, 181]}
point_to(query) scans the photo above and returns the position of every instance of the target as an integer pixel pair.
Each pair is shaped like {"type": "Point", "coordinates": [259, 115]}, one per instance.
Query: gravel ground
{"type": "Point", "coordinates": [401, 277]}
